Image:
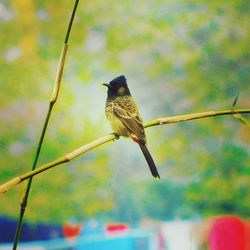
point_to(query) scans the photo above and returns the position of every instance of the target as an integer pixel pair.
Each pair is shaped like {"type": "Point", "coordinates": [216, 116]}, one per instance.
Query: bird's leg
{"type": "Point", "coordinates": [116, 136]}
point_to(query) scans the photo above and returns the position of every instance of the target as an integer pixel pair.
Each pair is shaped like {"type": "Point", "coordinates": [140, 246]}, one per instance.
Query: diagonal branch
{"type": "Point", "coordinates": [111, 137]}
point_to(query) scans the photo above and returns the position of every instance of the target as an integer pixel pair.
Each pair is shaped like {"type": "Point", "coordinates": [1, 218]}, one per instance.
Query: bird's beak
{"type": "Point", "coordinates": [106, 84]}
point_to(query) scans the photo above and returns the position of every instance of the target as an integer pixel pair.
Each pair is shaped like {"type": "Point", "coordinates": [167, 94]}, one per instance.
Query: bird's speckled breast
{"type": "Point", "coordinates": [116, 125]}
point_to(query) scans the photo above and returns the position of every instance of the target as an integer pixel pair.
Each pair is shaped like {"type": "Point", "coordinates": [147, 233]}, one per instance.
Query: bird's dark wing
{"type": "Point", "coordinates": [126, 110]}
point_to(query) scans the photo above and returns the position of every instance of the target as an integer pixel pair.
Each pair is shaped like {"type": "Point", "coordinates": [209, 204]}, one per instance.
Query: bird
{"type": "Point", "coordinates": [125, 120]}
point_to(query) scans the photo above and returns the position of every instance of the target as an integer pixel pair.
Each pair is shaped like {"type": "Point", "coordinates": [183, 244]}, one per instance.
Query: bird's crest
{"type": "Point", "coordinates": [120, 81]}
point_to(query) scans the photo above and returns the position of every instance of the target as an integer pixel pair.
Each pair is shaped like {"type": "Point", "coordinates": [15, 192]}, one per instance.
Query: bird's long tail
{"type": "Point", "coordinates": [149, 159]}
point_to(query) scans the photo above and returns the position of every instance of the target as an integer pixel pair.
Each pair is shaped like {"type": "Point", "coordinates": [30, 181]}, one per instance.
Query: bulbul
{"type": "Point", "coordinates": [122, 112]}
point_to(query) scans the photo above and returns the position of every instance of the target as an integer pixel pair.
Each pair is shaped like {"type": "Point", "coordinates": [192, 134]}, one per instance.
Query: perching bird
{"type": "Point", "coordinates": [122, 112]}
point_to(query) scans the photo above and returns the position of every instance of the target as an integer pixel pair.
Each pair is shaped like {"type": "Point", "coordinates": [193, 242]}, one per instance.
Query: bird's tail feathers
{"type": "Point", "coordinates": [149, 159]}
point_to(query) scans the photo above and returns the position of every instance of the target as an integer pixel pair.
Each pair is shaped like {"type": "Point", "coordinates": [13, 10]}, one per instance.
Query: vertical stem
{"type": "Point", "coordinates": [26, 195]}
{"type": "Point", "coordinates": [40, 143]}
{"type": "Point", "coordinates": [71, 21]}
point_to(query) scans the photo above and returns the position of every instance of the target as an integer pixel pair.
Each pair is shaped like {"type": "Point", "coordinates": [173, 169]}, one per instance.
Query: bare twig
{"type": "Point", "coordinates": [237, 115]}
{"type": "Point", "coordinates": [70, 156]}
{"type": "Point", "coordinates": [188, 117]}
{"type": "Point", "coordinates": [40, 143]}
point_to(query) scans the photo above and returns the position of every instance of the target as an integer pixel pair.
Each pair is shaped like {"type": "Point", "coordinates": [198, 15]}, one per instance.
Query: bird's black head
{"type": "Point", "coordinates": [117, 87]}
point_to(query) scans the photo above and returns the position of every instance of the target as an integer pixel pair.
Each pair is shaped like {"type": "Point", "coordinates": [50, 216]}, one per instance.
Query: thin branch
{"type": "Point", "coordinates": [237, 115]}
{"type": "Point", "coordinates": [26, 195]}
{"type": "Point", "coordinates": [71, 21]}
{"type": "Point", "coordinates": [58, 79]}
{"type": "Point", "coordinates": [111, 137]}
{"type": "Point", "coordinates": [53, 100]}
{"type": "Point", "coordinates": [188, 117]}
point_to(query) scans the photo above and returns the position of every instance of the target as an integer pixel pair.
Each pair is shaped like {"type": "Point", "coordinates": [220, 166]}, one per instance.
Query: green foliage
{"type": "Point", "coordinates": [223, 185]}
{"type": "Point", "coordinates": [178, 56]}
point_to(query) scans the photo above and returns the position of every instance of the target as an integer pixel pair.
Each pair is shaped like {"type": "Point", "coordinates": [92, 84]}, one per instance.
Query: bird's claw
{"type": "Point", "coordinates": [116, 136]}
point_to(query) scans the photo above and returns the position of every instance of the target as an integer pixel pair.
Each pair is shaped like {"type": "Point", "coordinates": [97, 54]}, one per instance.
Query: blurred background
{"type": "Point", "coordinates": [179, 57]}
